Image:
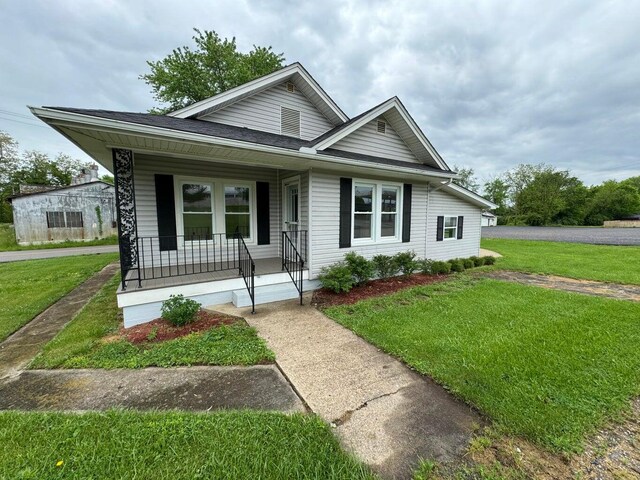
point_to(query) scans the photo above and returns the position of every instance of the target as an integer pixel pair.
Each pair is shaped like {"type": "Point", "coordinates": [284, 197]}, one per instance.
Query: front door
{"type": "Point", "coordinates": [291, 207]}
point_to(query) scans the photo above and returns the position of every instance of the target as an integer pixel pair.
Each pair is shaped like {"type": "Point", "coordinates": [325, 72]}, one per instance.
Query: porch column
{"type": "Point", "coordinates": [126, 211]}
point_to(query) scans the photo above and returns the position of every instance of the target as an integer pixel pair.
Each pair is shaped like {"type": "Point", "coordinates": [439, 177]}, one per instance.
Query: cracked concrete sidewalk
{"type": "Point", "coordinates": [385, 413]}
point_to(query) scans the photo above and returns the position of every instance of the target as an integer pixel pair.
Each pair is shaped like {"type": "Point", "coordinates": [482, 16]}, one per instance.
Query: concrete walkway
{"type": "Point", "coordinates": [55, 252]}
{"type": "Point", "coordinates": [385, 413]}
{"type": "Point", "coordinates": [18, 350]}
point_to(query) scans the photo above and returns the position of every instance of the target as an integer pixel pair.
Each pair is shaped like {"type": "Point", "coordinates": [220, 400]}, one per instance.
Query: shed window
{"type": "Point", "coordinates": [74, 220]}
{"type": "Point", "coordinates": [55, 220]}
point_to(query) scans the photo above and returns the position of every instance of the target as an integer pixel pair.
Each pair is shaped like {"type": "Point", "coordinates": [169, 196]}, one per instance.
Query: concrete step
{"type": "Point", "coordinates": [271, 293]}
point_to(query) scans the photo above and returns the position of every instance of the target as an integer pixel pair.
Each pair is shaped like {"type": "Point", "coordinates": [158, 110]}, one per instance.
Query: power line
{"type": "Point", "coordinates": [15, 114]}
{"type": "Point", "coordinates": [20, 121]}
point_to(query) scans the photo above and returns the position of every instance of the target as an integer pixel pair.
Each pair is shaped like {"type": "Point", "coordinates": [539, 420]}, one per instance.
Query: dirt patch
{"type": "Point", "coordinates": [160, 330]}
{"type": "Point", "coordinates": [327, 298]}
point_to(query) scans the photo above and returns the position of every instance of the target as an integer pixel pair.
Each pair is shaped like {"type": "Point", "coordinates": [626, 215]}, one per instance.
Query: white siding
{"type": "Point", "coordinates": [325, 224]}
{"type": "Point", "coordinates": [367, 141]}
{"type": "Point", "coordinates": [442, 203]}
{"type": "Point", "coordinates": [262, 112]}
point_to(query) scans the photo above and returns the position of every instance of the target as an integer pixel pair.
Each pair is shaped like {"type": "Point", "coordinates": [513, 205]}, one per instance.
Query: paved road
{"type": "Point", "coordinates": [596, 235]}
{"type": "Point", "coordinates": [55, 252]}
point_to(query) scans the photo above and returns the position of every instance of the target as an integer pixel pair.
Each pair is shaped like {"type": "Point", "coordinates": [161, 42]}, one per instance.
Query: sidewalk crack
{"type": "Point", "coordinates": [346, 416]}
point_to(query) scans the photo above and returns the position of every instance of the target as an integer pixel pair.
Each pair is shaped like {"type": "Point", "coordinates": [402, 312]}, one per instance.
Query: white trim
{"type": "Point", "coordinates": [309, 222]}
{"type": "Point", "coordinates": [376, 212]}
{"type": "Point", "coordinates": [256, 85]}
{"type": "Point", "coordinates": [455, 229]}
{"type": "Point", "coordinates": [469, 195]}
{"type": "Point", "coordinates": [178, 182]}
{"type": "Point", "coordinates": [285, 202]}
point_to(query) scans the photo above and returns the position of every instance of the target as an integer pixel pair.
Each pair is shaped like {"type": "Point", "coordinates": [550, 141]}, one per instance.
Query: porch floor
{"type": "Point", "coordinates": [170, 276]}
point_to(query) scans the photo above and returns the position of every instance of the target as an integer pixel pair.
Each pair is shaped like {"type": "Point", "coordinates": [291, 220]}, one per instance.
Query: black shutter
{"type": "Point", "coordinates": [460, 222]}
{"type": "Point", "coordinates": [166, 212]}
{"type": "Point", "coordinates": [262, 211]}
{"type": "Point", "coordinates": [440, 229]}
{"type": "Point", "coordinates": [406, 213]}
{"type": "Point", "coordinates": [345, 212]}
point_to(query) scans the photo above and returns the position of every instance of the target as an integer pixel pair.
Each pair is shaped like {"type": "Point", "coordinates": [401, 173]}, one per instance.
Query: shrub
{"type": "Point", "coordinates": [489, 260]}
{"type": "Point", "coordinates": [438, 268]}
{"type": "Point", "coordinates": [478, 261]}
{"type": "Point", "coordinates": [457, 265]}
{"type": "Point", "coordinates": [406, 262]}
{"type": "Point", "coordinates": [385, 266]}
{"type": "Point", "coordinates": [337, 277]}
{"type": "Point", "coordinates": [468, 263]}
{"type": "Point", "coordinates": [425, 266]}
{"type": "Point", "coordinates": [361, 268]}
{"type": "Point", "coordinates": [179, 310]}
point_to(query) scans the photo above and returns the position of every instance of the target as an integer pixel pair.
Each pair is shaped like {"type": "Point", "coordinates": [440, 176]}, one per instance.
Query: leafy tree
{"type": "Point", "coordinates": [107, 179]}
{"type": "Point", "coordinates": [544, 197]}
{"type": "Point", "coordinates": [519, 178]}
{"type": "Point", "coordinates": [497, 191]}
{"type": "Point", "coordinates": [467, 178]}
{"type": "Point", "coordinates": [188, 75]}
{"type": "Point", "coordinates": [613, 200]}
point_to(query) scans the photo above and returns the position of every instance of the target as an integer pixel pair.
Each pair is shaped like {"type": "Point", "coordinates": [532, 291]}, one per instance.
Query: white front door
{"type": "Point", "coordinates": [291, 206]}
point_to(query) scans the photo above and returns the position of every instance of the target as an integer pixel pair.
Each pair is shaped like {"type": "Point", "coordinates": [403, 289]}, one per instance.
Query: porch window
{"type": "Point", "coordinates": [197, 210]}
{"type": "Point", "coordinates": [450, 227]}
{"type": "Point", "coordinates": [389, 212]}
{"type": "Point", "coordinates": [363, 211]}
{"type": "Point", "coordinates": [237, 210]}
{"type": "Point", "coordinates": [376, 212]}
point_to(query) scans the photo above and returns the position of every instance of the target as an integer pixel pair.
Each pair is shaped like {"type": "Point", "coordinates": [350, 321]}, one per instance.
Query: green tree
{"type": "Point", "coordinates": [467, 178]}
{"type": "Point", "coordinates": [186, 75]}
{"type": "Point", "coordinates": [613, 200]}
{"type": "Point", "coordinates": [107, 179]}
{"type": "Point", "coordinates": [544, 197]}
{"type": "Point", "coordinates": [497, 191]}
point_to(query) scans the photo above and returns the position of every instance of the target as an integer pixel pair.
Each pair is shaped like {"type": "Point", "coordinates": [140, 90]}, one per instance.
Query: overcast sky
{"type": "Point", "coordinates": [492, 83]}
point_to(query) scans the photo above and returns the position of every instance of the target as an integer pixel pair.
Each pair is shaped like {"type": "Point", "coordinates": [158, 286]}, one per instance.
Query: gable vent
{"type": "Point", "coordinates": [290, 122]}
{"type": "Point", "coordinates": [382, 127]}
{"type": "Point", "coordinates": [291, 87]}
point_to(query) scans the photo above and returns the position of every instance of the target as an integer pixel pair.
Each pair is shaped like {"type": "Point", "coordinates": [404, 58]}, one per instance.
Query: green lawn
{"type": "Point", "coordinates": [127, 445]}
{"type": "Point", "coordinates": [79, 344]}
{"type": "Point", "coordinates": [544, 364]}
{"type": "Point", "coordinates": [28, 287]}
{"type": "Point", "coordinates": [576, 260]}
{"type": "Point", "coordinates": [8, 241]}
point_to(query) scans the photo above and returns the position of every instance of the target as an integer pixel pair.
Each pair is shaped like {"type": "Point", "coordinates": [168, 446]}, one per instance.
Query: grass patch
{"type": "Point", "coordinates": [80, 344]}
{"type": "Point", "coordinates": [606, 263]}
{"type": "Point", "coordinates": [28, 287]}
{"type": "Point", "coordinates": [548, 365]}
{"type": "Point", "coordinates": [221, 445]}
{"type": "Point", "coordinates": [8, 241]}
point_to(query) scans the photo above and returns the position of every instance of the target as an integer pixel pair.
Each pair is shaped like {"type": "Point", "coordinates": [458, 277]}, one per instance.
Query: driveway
{"type": "Point", "coordinates": [594, 235]}
{"type": "Point", "coordinates": [55, 252]}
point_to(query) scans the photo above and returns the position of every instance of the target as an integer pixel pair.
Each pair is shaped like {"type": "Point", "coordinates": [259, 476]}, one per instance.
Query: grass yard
{"type": "Point", "coordinates": [575, 260]}
{"type": "Point", "coordinates": [80, 344]}
{"type": "Point", "coordinates": [8, 241]}
{"type": "Point", "coordinates": [28, 287]}
{"type": "Point", "coordinates": [547, 365]}
{"type": "Point", "coordinates": [127, 445]}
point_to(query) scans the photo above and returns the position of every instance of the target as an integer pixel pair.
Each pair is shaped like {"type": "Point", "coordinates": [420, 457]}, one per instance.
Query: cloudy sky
{"type": "Point", "coordinates": [492, 83]}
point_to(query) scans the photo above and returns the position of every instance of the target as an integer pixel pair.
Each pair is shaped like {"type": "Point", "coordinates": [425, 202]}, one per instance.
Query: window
{"type": "Point", "coordinates": [376, 211]}
{"type": "Point", "coordinates": [450, 227]}
{"type": "Point", "coordinates": [55, 220]}
{"type": "Point", "coordinates": [237, 210]}
{"type": "Point", "coordinates": [74, 220]}
{"type": "Point", "coordinates": [197, 210]}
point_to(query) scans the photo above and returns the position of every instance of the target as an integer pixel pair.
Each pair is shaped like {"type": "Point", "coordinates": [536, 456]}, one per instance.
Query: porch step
{"type": "Point", "coordinates": [271, 293]}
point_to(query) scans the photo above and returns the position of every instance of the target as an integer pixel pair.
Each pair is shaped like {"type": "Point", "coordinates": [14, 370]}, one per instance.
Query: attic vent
{"type": "Point", "coordinates": [291, 87]}
{"type": "Point", "coordinates": [290, 122]}
{"type": "Point", "coordinates": [382, 127]}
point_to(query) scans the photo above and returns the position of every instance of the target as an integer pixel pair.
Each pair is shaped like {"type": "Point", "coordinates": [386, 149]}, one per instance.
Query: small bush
{"type": "Point", "coordinates": [179, 311]}
{"type": "Point", "coordinates": [361, 268]}
{"type": "Point", "coordinates": [425, 266]}
{"type": "Point", "coordinates": [337, 277]}
{"type": "Point", "coordinates": [457, 265]}
{"type": "Point", "coordinates": [439, 268]}
{"type": "Point", "coordinates": [489, 260]}
{"type": "Point", "coordinates": [468, 263]}
{"type": "Point", "coordinates": [406, 262]}
{"type": "Point", "coordinates": [478, 261]}
{"type": "Point", "coordinates": [385, 266]}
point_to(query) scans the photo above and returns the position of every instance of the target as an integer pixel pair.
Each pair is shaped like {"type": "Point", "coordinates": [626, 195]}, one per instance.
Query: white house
{"type": "Point", "coordinates": [246, 195]}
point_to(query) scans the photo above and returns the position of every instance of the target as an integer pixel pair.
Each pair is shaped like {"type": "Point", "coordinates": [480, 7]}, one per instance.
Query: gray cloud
{"type": "Point", "coordinates": [492, 83]}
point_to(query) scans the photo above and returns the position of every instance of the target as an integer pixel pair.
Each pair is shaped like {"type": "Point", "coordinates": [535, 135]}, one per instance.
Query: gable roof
{"type": "Point", "coordinates": [53, 190]}
{"type": "Point", "coordinates": [295, 73]}
{"type": "Point", "coordinates": [400, 120]}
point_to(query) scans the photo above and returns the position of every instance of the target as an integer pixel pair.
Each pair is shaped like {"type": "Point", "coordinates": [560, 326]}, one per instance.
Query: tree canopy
{"type": "Point", "coordinates": [187, 75]}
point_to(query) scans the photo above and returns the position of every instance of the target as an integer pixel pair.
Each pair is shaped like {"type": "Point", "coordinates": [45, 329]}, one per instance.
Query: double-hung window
{"type": "Point", "coordinates": [376, 212]}
{"type": "Point", "coordinates": [197, 210]}
{"type": "Point", "coordinates": [237, 210]}
{"type": "Point", "coordinates": [450, 227]}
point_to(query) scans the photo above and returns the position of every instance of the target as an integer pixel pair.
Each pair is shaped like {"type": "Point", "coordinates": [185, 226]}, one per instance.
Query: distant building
{"type": "Point", "coordinates": [632, 221]}
{"type": "Point", "coordinates": [489, 219]}
{"type": "Point", "coordinates": [84, 210]}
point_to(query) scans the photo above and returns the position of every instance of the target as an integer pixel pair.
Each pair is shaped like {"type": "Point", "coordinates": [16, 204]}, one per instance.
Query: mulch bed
{"type": "Point", "coordinates": [160, 330]}
{"type": "Point", "coordinates": [326, 298]}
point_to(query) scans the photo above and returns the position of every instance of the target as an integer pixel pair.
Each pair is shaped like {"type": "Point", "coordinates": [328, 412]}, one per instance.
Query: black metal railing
{"type": "Point", "coordinates": [292, 259]}
{"type": "Point", "coordinates": [247, 268]}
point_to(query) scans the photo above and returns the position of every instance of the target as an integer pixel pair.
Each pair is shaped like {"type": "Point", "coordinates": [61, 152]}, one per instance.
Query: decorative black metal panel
{"type": "Point", "coordinates": [126, 205]}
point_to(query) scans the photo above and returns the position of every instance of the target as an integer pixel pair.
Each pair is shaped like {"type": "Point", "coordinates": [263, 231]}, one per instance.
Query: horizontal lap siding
{"type": "Point", "coordinates": [325, 190]}
{"type": "Point", "coordinates": [262, 112]}
{"type": "Point", "coordinates": [147, 166]}
{"type": "Point", "coordinates": [366, 140]}
{"type": "Point", "coordinates": [442, 203]}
